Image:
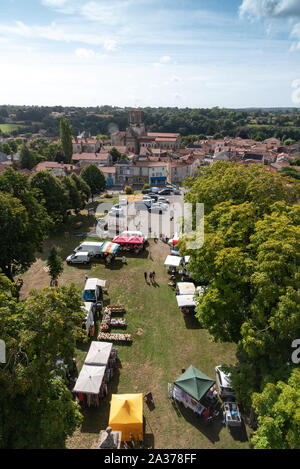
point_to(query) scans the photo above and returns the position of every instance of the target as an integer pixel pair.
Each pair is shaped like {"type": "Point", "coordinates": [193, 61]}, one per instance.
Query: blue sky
{"type": "Point", "coordinates": [185, 53]}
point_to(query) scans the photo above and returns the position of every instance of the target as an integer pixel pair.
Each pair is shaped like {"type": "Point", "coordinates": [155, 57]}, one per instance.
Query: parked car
{"type": "Point", "coordinates": [123, 203]}
{"type": "Point", "coordinates": [163, 200]}
{"type": "Point", "coordinates": [158, 208]}
{"type": "Point", "coordinates": [231, 412]}
{"type": "Point", "coordinates": [116, 212]}
{"type": "Point", "coordinates": [146, 191]}
{"type": "Point", "coordinates": [153, 196]}
{"type": "Point", "coordinates": [155, 190]}
{"type": "Point", "coordinates": [79, 258]}
{"type": "Point", "coordinates": [165, 192]}
{"type": "Point", "coordinates": [93, 292]}
{"type": "Point", "coordinates": [142, 205]}
{"type": "Point", "coordinates": [176, 192]}
{"type": "Point", "coordinates": [93, 248]}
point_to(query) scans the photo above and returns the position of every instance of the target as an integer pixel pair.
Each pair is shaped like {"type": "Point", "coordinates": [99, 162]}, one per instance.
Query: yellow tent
{"type": "Point", "coordinates": [126, 415]}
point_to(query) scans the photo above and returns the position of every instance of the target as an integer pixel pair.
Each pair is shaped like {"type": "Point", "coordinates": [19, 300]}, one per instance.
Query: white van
{"type": "Point", "coordinates": [91, 247]}
{"type": "Point", "coordinates": [79, 258]}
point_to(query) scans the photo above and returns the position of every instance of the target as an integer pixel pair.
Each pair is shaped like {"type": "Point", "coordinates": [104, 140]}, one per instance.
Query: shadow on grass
{"type": "Point", "coordinates": [210, 430]}
{"type": "Point", "coordinates": [97, 418]}
{"type": "Point", "coordinates": [191, 322]}
{"type": "Point", "coordinates": [239, 433]}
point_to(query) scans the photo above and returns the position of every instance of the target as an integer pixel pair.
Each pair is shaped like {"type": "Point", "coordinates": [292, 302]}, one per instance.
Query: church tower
{"type": "Point", "coordinates": [135, 130]}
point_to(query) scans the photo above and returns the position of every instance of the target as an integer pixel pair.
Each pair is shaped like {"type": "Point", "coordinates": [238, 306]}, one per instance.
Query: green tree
{"type": "Point", "coordinates": [37, 332]}
{"type": "Point", "coordinates": [66, 138]}
{"type": "Point", "coordinates": [278, 407]}
{"type": "Point", "coordinates": [94, 178]}
{"type": "Point", "coordinates": [251, 266]}
{"type": "Point", "coordinates": [27, 158]}
{"type": "Point", "coordinates": [55, 264]}
{"type": "Point", "coordinates": [24, 223]}
{"type": "Point", "coordinates": [52, 194]}
{"type": "Point", "coordinates": [83, 188]}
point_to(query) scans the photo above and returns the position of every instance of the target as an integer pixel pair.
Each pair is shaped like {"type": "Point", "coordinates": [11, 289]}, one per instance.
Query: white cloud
{"type": "Point", "coordinates": [165, 59]}
{"type": "Point", "coordinates": [85, 54]}
{"type": "Point", "coordinates": [108, 13]}
{"type": "Point", "coordinates": [54, 3]}
{"type": "Point", "coordinates": [110, 45]}
{"type": "Point", "coordinates": [269, 8]}
{"type": "Point", "coordinates": [53, 33]}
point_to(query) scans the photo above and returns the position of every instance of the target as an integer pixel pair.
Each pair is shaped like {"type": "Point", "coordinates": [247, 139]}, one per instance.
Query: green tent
{"type": "Point", "coordinates": [194, 383]}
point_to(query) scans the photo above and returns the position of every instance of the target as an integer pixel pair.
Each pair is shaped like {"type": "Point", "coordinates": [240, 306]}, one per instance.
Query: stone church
{"type": "Point", "coordinates": [137, 140]}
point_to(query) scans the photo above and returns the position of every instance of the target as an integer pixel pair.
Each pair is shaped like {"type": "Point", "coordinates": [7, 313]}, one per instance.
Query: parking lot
{"type": "Point", "coordinates": [152, 220]}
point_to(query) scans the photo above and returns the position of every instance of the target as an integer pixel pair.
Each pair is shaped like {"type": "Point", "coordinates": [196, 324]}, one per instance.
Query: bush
{"type": "Point", "coordinates": [128, 190]}
{"type": "Point", "coordinates": [146, 186]}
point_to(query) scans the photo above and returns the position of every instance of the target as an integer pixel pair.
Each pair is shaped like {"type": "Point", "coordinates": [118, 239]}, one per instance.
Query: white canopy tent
{"type": "Point", "coordinates": [98, 354]}
{"type": "Point", "coordinates": [185, 288]}
{"type": "Point", "coordinates": [88, 308]}
{"type": "Point", "coordinates": [185, 300]}
{"type": "Point", "coordinates": [186, 259]}
{"type": "Point", "coordinates": [90, 379]}
{"type": "Point", "coordinates": [173, 261]}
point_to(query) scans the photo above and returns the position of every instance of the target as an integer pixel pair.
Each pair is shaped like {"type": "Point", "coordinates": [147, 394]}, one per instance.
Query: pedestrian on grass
{"type": "Point", "coordinates": [145, 275]}
{"type": "Point", "coordinates": [153, 276]}
{"type": "Point", "coordinates": [150, 277]}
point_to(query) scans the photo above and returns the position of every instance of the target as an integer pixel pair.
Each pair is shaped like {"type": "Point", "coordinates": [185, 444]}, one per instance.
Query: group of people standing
{"type": "Point", "coordinates": [151, 277]}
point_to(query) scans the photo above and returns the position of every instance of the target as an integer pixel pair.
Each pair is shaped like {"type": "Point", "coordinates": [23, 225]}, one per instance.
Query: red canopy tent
{"type": "Point", "coordinates": [128, 239]}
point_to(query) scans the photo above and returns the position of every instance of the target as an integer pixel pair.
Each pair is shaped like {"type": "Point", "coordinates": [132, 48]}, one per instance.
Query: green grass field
{"type": "Point", "coordinates": [7, 128]}
{"type": "Point", "coordinates": [168, 343]}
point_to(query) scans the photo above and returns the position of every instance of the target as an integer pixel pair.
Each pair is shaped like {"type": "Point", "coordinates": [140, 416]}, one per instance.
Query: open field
{"type": "Point", "coordinates": [169, 342]}
{"type": "Point", "coordinates": [10, 127]}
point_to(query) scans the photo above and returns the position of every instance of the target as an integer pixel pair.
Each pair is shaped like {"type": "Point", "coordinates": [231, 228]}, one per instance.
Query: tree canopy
{"type": "Point", "coordinates": [94, 178]}
{"type": "Point", "coordinates": [37, 332]}
{"type": "Point", "coordinates": [250, 265]}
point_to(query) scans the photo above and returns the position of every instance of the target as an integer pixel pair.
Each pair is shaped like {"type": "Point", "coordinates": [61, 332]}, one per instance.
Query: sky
{"type": "Point", "coordinates": [179, 53]}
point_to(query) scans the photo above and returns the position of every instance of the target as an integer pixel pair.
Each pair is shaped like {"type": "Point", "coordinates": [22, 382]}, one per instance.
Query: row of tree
{"type": "Point", "coordinates": [31, 206]}
{"type": "Point", "coordinates": [250, 264]}
{"type": "Point", "coordinates": [250, 123]}
{"type": "Point", "coordinates": [37, 410]}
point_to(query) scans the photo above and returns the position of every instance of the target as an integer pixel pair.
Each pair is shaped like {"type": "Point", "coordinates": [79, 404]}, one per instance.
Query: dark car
{"type": "Point", "coordinates": [153, 196]}
{"type": "Point", "coordinates": [165, 192]}
{"type": "Point", "coordinates": [146, 191]}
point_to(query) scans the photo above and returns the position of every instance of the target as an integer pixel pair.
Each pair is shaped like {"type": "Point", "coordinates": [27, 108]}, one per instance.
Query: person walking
{"type": "Point", "coordinates": [150, 277]}
{"type": "Point", "coordinates": [124, 261]}
{"type": "Point", "coordinates": [153, 276]}
{"type": "Point", "coordinates": [145, 275]}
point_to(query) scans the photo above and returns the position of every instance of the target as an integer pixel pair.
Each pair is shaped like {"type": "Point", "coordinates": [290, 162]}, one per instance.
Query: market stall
{"type": "Point", "coordinates": [88, 384]}
{"type": "Point", "coordinates": [126, 415]}
{"type": "Point", "coordinates": [89, 309]}
{"type": "Point", "coordinates": [130, 242]}
{"type": "Point", "coordinates": [98, 354]}
{"type": "Point", "coordinates": [107, 321]}
{"type": "Point", "coordinates": [115, 337]}
{"type": "Point", "coordinates": [108, 251]}
{"type": "Point", "coordinates": [96, 373]}
{"type": "Point", "coordinates": [191, 388]}
{"type": "Point", "coordinates": [186, 303]}
{"type": "Point", "coordinates": [185, 288]}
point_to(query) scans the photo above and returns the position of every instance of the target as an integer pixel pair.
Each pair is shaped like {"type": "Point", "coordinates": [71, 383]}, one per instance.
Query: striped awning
{"type": "Point", "coordinates": [109, 248]}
